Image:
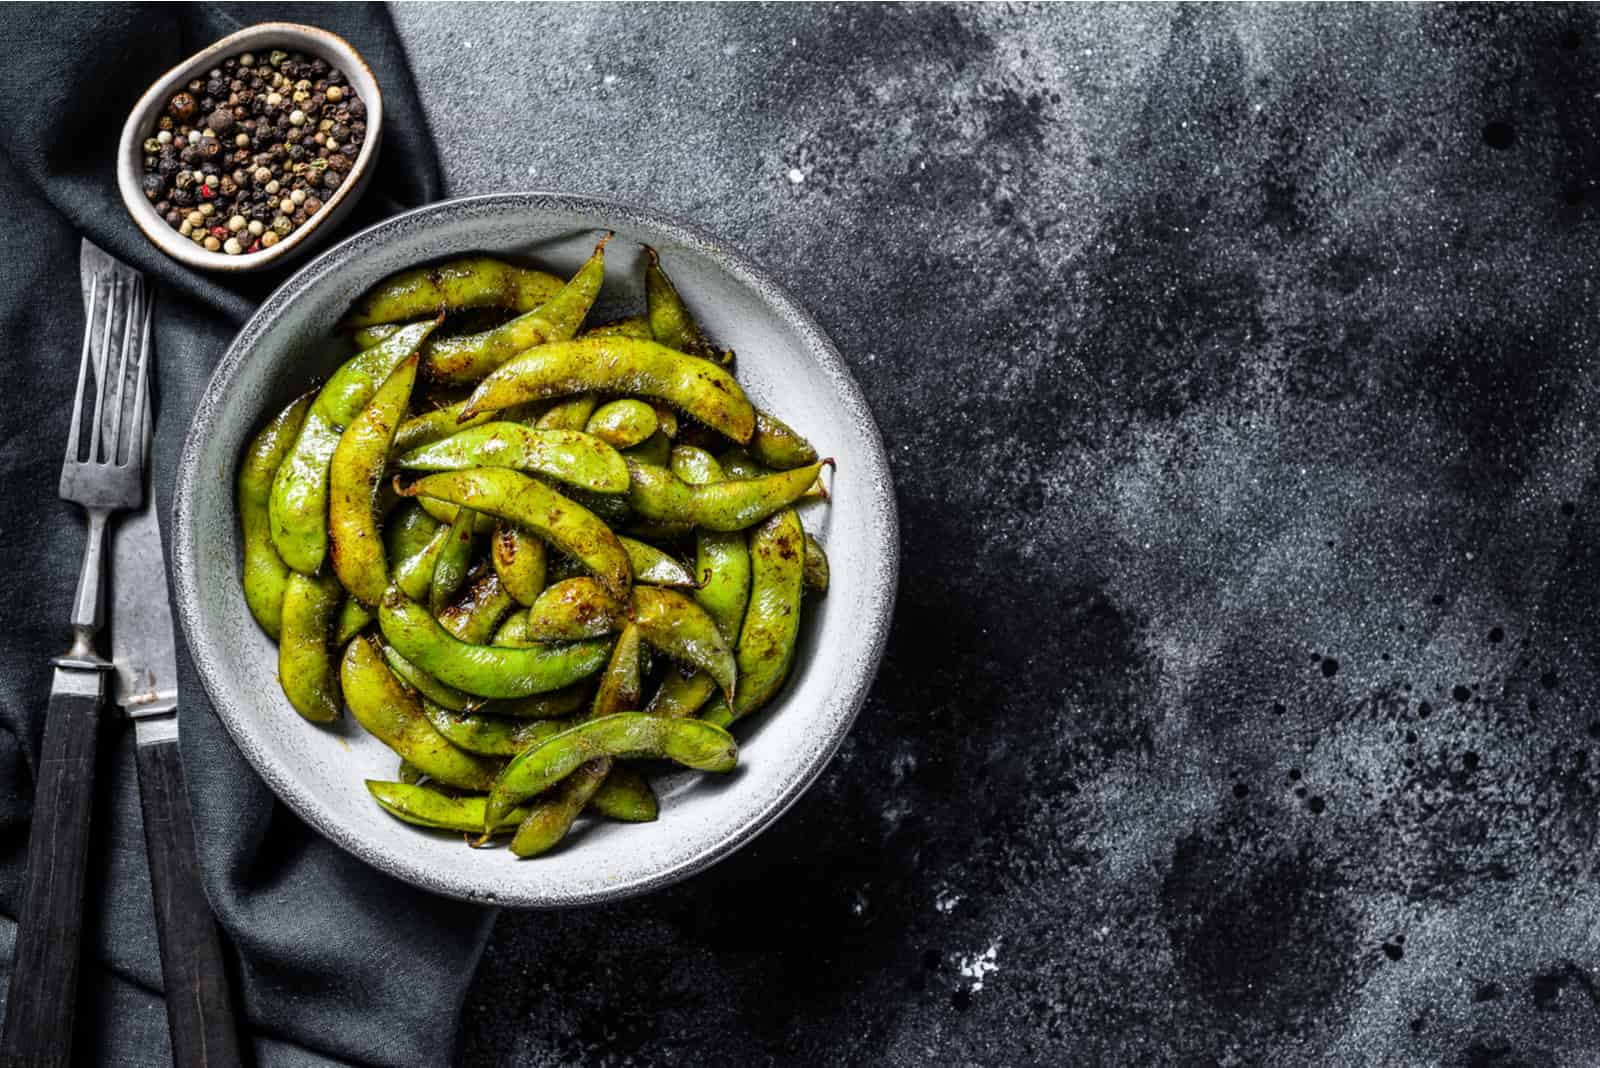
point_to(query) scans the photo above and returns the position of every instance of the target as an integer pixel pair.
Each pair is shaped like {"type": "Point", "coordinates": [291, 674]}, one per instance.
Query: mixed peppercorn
{"type": "Point", "coordinates": [246, 155]}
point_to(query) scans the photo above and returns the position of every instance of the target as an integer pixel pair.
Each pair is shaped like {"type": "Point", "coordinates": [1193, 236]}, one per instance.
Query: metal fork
{"type": "Point", "coordinates": [107, 478]}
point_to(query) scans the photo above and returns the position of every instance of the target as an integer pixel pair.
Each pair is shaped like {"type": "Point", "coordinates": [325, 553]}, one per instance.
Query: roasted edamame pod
{"type": "Point", "coordinates": [450, 566]}
{"type": "Point", "coordinates": [653, 567]}
{"type": "Point", "coordinates": [393, 713]}
{"type": "Point", "coordinates": [628, 326]}
{"type": "Point", "coordinates": [777, 446]}
{"type": "Point", "coordinates": [623, 423]}
{"type": "Point", "coordinates": [265, 573]}
{"type": "Point", "coordinates": [413, 572]}
{"type": "Point", "coordinates": [816, 565]}
{"type": "Point", "coordinates": [655, 450]}
{"type": "Point", "coordinates": [490, 735]}
{"type": "Point", "coordinates": [483, 670]}
{"type": "Point", "coordinates": [515, 497]}
{"type": "Point", "coordinates": [355, 472]}
{"type": "Point", "coordinates": [446, 697]}
{"type": "Point", "coordinates": [620, 365]}
{"type": "Point", "coordinates": [681, 694]}
{"type": "Point", "coordinates": [721, 558]}
{"type": "Point", "coordinates": [675, 625]}
{"type": "Point", "coordinates": [298, 507]}
{"type": "Point", "coordinates": [571, 413]}
{"type": "Point", "coordinates": [474, 616]}
{"type": "Point", "coordinates": [772, 622]}
{"type": "Point", "coordinates": [551, 816]}
{"type": "Point", "coordinates": [469, 282]}
{"type": "Point", "coordinates": [352, 620]}
{"type": "Point", "coordinates": [570, 456]}
{"type": "Point", "coordinates": [459, 360]}
{"type": "Point", "coordinates": [656, 494]}
{"type": "Point", "coordinates": [690, 742]}
{"type": "Point", "coordinates": [573, 609]}
{"type": "Point", "coordinates": [670, 321]}
{"type": "Point", "coordinates": [407, 531]}
{"type": "Point", "coordinates": [305, 660]}
{"type": "Point", "coordinates": [625, 796]}
{"type": "Point", "coordinates": [519, 560]}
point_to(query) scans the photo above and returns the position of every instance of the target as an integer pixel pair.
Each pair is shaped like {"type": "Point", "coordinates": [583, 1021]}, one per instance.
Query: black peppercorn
{"type": "Point", "coordinates": [207, 103]}
{"type": "Point", "coordinates": [209, 147]}
{"type": "Point", "coordinates": [335, 77]}
{"type": "Point", "coordinates": [154, 186]}
{"type": "Point", "coordinates": [183, 179]}
{"type": "Point", "coordinates": [350, 151]}
{"type": "Point", "coordinates": [221, 122]}
{"type": "Point", "coordinates": [163, 206]}
{"type": "Point", "coordinates": [174, 218]}
{"type": "Point", "coordinates": [340, 132]}
{"type": "Point", "coordinates": [183, 198]}
{"type": "Point", "coordinates": [297, 152]}
{"type": "Point", "coordinates": [216, 87]}
{"type": "Point", "coordinates": [358, 110]}
{"type": "Point", "coordinates": [228, 186]}
{"type": "Point", "coordinates": [182, 107]}
{"type": "Point", "coordinates": [167, 166]}
{"type": "Point", "coordinates": [331, 178]}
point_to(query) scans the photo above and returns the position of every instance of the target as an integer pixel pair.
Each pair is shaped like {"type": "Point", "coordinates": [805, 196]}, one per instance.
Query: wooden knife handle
{"type": "Point", "coordinates": [199, 1008]}
{"type": "Point", "coordinates": [44, 978]}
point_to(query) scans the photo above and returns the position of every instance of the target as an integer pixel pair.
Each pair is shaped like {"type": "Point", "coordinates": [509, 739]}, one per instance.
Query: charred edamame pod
{"type": "Point", "coordinates": [620, 365]}
{"type": "Point", "coordinates": [777, 446]}
{"type": "Point", "coordinates": [673, 624]}
{"type": "Point", "coordinates": [483, 670]}
{"type": "Point", "coordinates": [816, 565]}
{"type": "Point", "coordinates": [690, 742]}
{"type": "Point", "coordinates": [515, 497]}
{"type": "Point", "coordinates": [772, 622]}
{"type": "Point", "coordinates": [474, 616]}
{"type": "Point", "coordinates": [438, 811]}
{"type": "Point", "coordinates": [355, 472]}
{"type": "Point", "coordinates": [628, 326]}
{"type": "Point", "coordinates": [721, 558]}
{"type": "Point", "coordinates": [656, 494]}
{"type": "Point", "coordinates": [670, 321]}
{"type": "Point", "coordinates": [573, 609]}
{"type": "Point", "coordinates": [298, 507]}
{"type": "Point", "coordinates": [623, 423]}
{"type": "Point", "coordinates": [265, 573]}
{"type": "Point", "coordinates": [392, 713]}
{"type": "Point", "coordinates": [305, 660]}
{"type": "Point", "coordinates": [450, 566]}
{"type": "Point", "coordinates": [469, 282]}
{"type": "Point", "coordinates": [519, 560]}
{"type": "Point", "coordinates": [653, 567]}
{"type": "Point", "coordinates": [490, 735]}
{"type": "Point", "coordinates": [576, 458]}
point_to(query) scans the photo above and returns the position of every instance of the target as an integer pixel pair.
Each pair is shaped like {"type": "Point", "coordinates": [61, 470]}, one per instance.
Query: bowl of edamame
{"type": "Point", "coordinates": [543, 522]}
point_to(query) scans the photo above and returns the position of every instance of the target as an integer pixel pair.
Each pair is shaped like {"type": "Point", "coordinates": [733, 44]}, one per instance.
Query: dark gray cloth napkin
{"type": "Point", "coordinates": [336, 963]}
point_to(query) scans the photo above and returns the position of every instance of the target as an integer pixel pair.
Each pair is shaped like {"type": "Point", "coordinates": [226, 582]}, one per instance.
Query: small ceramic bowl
{"type": "Point", "coordinates": [785, 363]}
{"type": "Point", "coordinates": [291, 37]}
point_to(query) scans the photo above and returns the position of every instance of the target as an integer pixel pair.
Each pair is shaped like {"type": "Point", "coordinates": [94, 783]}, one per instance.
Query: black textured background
{"type": "Point", "coordinates": [1238, 367]}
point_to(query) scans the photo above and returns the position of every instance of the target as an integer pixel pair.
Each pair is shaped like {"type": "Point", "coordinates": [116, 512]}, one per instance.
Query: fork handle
{"type": "Point", "coordinates": [199, 1009]}
{"type": "Point", "coordinates": [44, 979]}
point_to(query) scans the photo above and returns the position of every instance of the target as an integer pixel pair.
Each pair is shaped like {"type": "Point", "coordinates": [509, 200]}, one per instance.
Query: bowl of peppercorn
{"type": "Point", "coordinates": [238, 158]}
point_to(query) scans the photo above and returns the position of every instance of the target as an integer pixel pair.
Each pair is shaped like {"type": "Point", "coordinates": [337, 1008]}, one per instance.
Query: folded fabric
{"type": "Point", "coordinates": [336, 962]}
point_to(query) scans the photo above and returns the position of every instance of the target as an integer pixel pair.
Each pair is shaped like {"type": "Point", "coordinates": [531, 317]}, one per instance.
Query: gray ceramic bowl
{"type": "Point", "coordinates": [787, 365]}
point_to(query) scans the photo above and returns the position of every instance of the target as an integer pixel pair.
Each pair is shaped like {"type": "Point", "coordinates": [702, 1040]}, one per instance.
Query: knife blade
{"type": "Point", "coordinates": [144, 654]}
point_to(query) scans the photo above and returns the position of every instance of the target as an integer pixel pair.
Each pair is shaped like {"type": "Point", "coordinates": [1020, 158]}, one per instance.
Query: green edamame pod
{"type": "Point", "coordinates": [549, 818]}
{"type": "Point", "coordinates": [625, 796]}
{"type": "Point", "coordinates": [445, 512]}
{"type": "Point", "coordinates": [352, 619]}
{"type": "Point", "coordinates": [721, 558]}
{"type": "Point", "coordinates": [464, 359]}
{"type": "Point", "coordinates": [690, 742]}
{"type": "Point", "coordinates": [653, 567]}
{"type": "Point", "coordinates": [407, 532]}
{"type": "Point", "coordinates": [392, 713]}
{"type": "Point", "coordinates": [657, 494]}
{"type": "Point", "coordinates": [655, 450]}
{"type": "Point", "coordinates": [437, 811]}
{"type": "Point", "coordinates": [514, 631]}
{"type": "Point", "coordinates": [488, 735]}
{"type": "Point", "coordinates": [265, 573]}
{"type": "Point", "coordinates": [305, 660]}
{"type": "Point", "coordinates": [620, 365]}
{"type": "Point", "coordinates": [673, 624]}
{"type": "Point", "coordinates": [623, 423]}
{"type": "Point", "coordinates": [476, 614]}
{"type": "Point", "coordinates": [670, 321]}
{"type": "Point", "coordinates": [573, 609]}
{"type": "Point", "coordinates": [772, 622]}
{"type": "Point", "coordinates": [483, 670]}
{"type": "Point", "coordinates": [298, 507]}
{"type": "Point", "coordinates": [628, 326]}
{"type": "Point", "coordinates": [680, 694]}
{"type": "Point", "coordinates": [413, 572]}
{"type": "Point", "coordinates": [816, 566]}
{"type": "Point", "coordinates": [519, 560]}
{"type": "Point", "coordinates": [354, 473]}
{"type": "Point", "coordinates": [436, 425]}
{"type": "Point", "coordinates": [447, 697]}
{"type": "Point", "coordinates": [570, 456]}
{"type": "Point", "coordinates": [570, 414]}
{"type": "Point", "coordinates": [450, 566]}
{"type": "Point", "coordinates": [469, 282]}
{"type": "Point", "coordinates": [515, 497]}
{"type": "Point", "coordinates": [407, 774]}
{"type": "Point", "coordinates": [777, 446]}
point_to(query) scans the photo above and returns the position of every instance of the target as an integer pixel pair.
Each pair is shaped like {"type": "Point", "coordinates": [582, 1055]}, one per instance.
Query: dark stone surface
{"type": "Point", "coordinates": [1239, 368]}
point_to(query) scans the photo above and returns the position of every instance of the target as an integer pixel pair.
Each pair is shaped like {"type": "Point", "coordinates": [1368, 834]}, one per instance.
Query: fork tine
{"type": "Point", "coordinates": [100, 371]}
{"type": "Point", "coordinates": [141, 398]}
{"type": "Point", "coordinates": [83, 372]}
{"type": "Point", "coordinates": [135, 294]}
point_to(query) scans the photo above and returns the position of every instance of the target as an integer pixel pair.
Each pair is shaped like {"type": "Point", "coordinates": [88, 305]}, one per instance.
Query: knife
{"type": "Point", "coordinates": [199, 1008]}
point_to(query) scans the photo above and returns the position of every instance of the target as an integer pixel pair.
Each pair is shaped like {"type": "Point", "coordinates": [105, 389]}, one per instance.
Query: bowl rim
{"type": "Point", "coordinates": [873, 630]}
{"type": "Point", "coordinates": [329, 46]}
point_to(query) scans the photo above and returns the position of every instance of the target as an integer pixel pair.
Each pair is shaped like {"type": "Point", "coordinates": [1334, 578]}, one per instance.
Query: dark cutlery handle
{"type": "Point", "coordinates": [199, 1008]}
{"type": "Point", "coordinates": [44, 978]}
